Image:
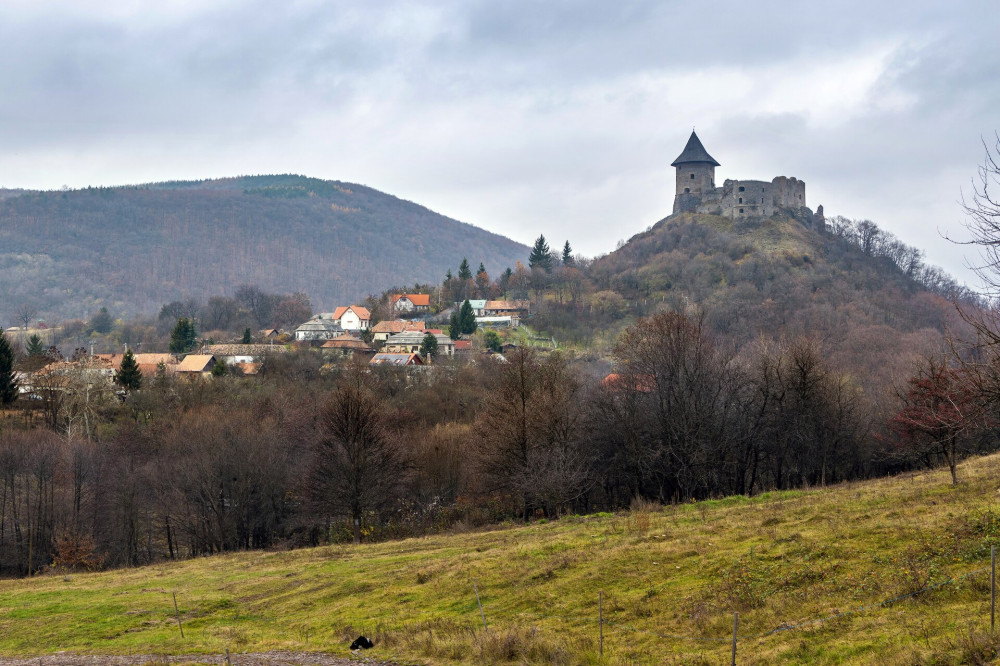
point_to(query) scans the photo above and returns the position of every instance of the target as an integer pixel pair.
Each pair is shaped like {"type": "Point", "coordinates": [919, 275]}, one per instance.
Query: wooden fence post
{"type": "Point", "coordinates": [176, 610]}
{"type": "Point", "coordinates": [736, 626]}
{"type": "Point", "coordinates": [600, 618]}
{"type": "Point", "coordinates": [481, 613]}
{"type": "Point", "coordinates": [993, 588]}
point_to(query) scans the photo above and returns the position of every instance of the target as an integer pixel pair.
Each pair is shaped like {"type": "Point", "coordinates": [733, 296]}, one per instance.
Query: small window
{"type": "Point", "coordinates": [741, 200]}
{"type": "Point", "coordinates": [687, 189]}
{"type": "Point", "coordinates": [800, 197]}
{"type": "Point", "coordinates": [692, 176]}
{"type": "Point", "coordinates": [742, 188]}
{"type": "Point", "coordinates": [741, 211]}
{"type": "Point", "coordinates": [762, 199]}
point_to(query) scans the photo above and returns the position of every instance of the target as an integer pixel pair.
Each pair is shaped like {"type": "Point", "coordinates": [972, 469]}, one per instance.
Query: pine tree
{"type": "Point", "coordinates": [567, 257]}
{"type": "Point", "coordinates": [541, 255]}
{"type": "Point", "coordinates": [467, 318]}
{"type": "Point", "coordinates": [35, 346]}
{"type": "Point", "coordinates": [8, 382]}
{"type": "Point", "coordinates": [247, 336]}
{"type": "Point", "coordinates": [101, 321]}
{"type": "Point", "coordinates": [464, 272]}
{"type": "Point", "coordinates": [491, 340]}
{"type": "Point", "coordinates": [429, 346]}
{"type": "Point", "coordinates": [183, 338]}
{"type": "Point", "coordinates": [129, 376]}
{"type": "Point", "coordinates": [454, 325]}
{"type": "Point", "coordinates": [447, 277]}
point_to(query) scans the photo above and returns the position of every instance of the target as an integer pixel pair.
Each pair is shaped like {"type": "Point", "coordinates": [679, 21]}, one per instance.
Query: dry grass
{"type": "Point", "coordinates": [780, 560]}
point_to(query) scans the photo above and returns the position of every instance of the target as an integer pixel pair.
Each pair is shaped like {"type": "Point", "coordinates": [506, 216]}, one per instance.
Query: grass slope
{"type": "Point", "coordinates": [780, 559]}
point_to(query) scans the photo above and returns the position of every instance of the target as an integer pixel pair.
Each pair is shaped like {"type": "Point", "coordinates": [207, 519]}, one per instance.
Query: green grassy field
{"type": "Point", "coordinates": [780, 559]}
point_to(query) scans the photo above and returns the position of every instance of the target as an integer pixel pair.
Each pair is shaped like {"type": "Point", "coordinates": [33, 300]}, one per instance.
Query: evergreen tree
{"type": "Point", "coordinates": [504, 282]}
{"type": "Point", "coordinates": [101, 321]}
{"type": "Point", "coordinates": [447, 276]}
{"type": "Point", "coordinates": [219, 368]}
{"type": "Point", "coordinates": [464, 272]}
{"type": "Point", "coordinates": [429, 346]}
{"type": "Point", "coordinates": [129, 376]}
{"type": "Point", "coordinates": [35, 346]}
{"type": "Point", "coordinates": [541, 255]}
{"type": "Point", "coordinates": [467, 318]}
{"type": "Point", "coordinates": [247, 336]}
{"type": "Point", "coordinates": [491, 340]}
{"type": "Point", "coordinates": [8, 383]}
{"type": "Point", "coordinates": [567, 257]}
{"type": "Point", "coordinates": [454, 325]}
{"type": "Point", "coordinates": [183, 338]}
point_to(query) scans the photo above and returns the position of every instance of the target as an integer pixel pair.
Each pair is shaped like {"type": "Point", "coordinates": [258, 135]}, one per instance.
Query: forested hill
{"type": "Point", "coordinates": [132, 249]}
{"type": "Point", "coordinates": [863, 294]}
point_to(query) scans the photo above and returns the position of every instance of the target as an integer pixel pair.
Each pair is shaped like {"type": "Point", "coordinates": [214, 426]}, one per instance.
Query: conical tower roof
{"type": "Point", "coordinates": [694, 152]}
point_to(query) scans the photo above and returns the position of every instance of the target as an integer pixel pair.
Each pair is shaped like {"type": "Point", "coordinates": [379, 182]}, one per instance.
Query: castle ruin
{"type": "Point", "coordinates": [737, 199]}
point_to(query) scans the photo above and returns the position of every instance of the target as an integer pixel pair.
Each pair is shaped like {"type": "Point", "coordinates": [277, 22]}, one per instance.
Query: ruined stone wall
{"type": "Point", "coordinates": [789, 192]}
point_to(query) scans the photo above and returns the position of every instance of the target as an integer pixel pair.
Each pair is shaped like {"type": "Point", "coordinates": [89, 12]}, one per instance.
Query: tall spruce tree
{"type": "Point", "coordinates": [454, 325]}
{"type": "Point", "coordinates": [247, 336]}
{"type": "Point", "coordinates": [567, 257]}
{"type": "Point", "coordinates": [464, 272]}
{"type": "Point", "coordinates": [541, 255]}
{"type": "Point", "coordinates": [129, 376]}
{"type": "Point", "coordinates": [467, 318]}
{"type": "Point", "coordinates": [35, 346]}
{"type": "Point", "coordinates": [183, 338]}
{"type": "Point", "coordinates": [8, 382]}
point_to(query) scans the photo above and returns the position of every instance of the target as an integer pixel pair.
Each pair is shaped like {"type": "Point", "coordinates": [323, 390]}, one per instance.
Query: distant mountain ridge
{"type": "Point", "coordinates": [133, 248]}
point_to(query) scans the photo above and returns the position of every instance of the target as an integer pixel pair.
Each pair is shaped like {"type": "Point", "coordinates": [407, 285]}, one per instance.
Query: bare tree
{"type": "Point", "coordinates": [359, 466]}
{"type": "Point", "coordinates": [983, 209]}
{"type": "Point", "coordinates": [25, 313]}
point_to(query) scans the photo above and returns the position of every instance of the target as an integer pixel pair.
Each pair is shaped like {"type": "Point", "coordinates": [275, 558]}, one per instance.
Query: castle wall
{"type": "Point", "coordinates": [789, 192]}
{"type": "Point", "coordinates": [747, 198]}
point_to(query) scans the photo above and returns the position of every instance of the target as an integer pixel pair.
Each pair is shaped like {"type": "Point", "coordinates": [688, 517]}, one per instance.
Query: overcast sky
{"type": "Point", "coordinates": [519, 117]}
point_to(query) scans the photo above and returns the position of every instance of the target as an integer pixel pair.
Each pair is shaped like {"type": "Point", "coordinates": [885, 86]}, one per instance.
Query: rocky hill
{"type": "Point", "coordinates": [131, 249]}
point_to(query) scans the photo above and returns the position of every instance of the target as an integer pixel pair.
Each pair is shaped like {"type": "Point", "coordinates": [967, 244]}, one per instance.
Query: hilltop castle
{"type": "Point", "coordinates": [696, 191]}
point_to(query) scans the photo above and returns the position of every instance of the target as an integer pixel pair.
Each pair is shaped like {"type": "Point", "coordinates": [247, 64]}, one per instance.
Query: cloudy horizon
{"type": "Point", "coordinates": [522, 118]}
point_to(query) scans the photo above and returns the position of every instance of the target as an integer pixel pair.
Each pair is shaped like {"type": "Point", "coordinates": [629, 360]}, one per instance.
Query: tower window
{"type": "Point", "coordinates": [741, 200]}
{"type": "Point", "coordinates": [687, 189]}
{"type": "Point", "coordinates": [692, 176]}
{"type": "Point", "coordinates": [741, 211]}
{"type": "Point", "coordinates": [762, 199]}
{"type": "Point", "coordinates": [742, 188]}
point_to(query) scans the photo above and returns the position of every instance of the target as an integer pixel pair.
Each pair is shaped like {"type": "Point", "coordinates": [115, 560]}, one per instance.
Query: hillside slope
{"type": "Point", "coordinates": [132, 249]}
{"type": "Point", "coordinates": [778, 278]}
{"type": "Point", "coordinates": [889, 571]}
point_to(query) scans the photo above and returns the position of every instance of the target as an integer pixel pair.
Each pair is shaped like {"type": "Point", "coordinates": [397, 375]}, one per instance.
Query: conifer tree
{"type": "Point", "coordinates": [454, 325]}
{"type": "Point", "coordinates": [183, 338]}
{"type": "Point", "coordinates": [467, 318]}
{"type": "Point", "coordinates": [464, 272]}
{"type": "Point", "coordinates": [8, 382]}
{"type": "Point", "coordinates": [429, 346]}
{"type": "Point", "coordinates": [35, 346]}
{"type": "Point", "coordinates": [541, 255]}
{"type": "Point", "coordinates": [129, 376]}
{"type": "Point", "coordinates": [567, 257]}
{"type": "Point", "coordinates": [247, 336]}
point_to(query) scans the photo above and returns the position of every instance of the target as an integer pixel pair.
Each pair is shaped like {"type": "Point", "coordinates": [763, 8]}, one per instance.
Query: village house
{"type": "Point", "coordinates": [410, 302]}
{"type": "Point", "coordinates": [396, 359]}
{"type": "Point", "coordinates": [148, 363]}
{"type": "Point", "coordinates": [318, 329]}
{"type": "Point", "coordinates": [196, 365]}
{"type": "Point", "coordinates": [502, 308]}
{"type": "Point", "coordinates": [382, 330]}
{"type": "Point", "coordinates": [352, 318]}
{"type": "Point", "coordinates": [238, 354]}
{"type": "Point", "coordinates": [345, 346]}
{"type": "Point", "coordinates": [410, 341]}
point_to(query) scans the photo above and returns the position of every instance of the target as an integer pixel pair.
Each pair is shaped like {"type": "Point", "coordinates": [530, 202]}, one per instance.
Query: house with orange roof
{"type": "Point", "coordinates": [352, 318]}
{"type": "Point", "coordinates": [410, 302]}
{"type": "Point", "coordinates": [382, 330]}
{"type": "Point", "coordinates": [345, 346]}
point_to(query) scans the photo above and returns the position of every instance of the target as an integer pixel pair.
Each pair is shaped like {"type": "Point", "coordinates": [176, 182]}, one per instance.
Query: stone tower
{"type": "Point", "coordinates": [695, 175]}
